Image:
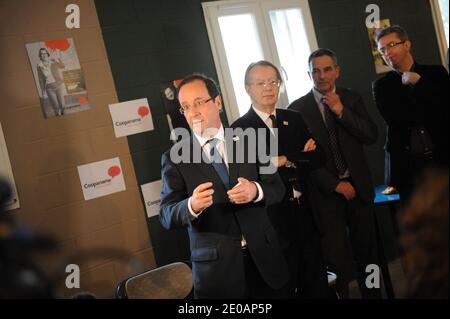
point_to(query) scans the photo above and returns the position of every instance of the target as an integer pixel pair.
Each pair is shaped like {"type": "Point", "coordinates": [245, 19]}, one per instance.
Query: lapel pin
{"type": "Point", "coordinates": [285, 123]}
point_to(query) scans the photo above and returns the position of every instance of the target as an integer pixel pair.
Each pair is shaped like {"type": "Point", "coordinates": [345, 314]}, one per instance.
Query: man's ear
{"type": "Point", "coordinates": [408, 45]}
{"type": "Point", "coordinates": [338, 71]}
{"type": "Point", "coordinates": [218, 101]}
{"type": "Point", "coordinates": [247, 89]}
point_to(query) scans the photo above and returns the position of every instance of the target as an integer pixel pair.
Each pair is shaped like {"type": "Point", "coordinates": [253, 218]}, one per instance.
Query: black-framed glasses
{"type": "Point", "coordinates": [389, 46]}
{"type": "Point", "coordinates": [271, 84]}
{"type": "Point", "coordinates": [197, 103]}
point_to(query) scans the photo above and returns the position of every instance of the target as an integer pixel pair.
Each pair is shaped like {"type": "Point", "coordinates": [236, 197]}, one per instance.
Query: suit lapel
{"type": "Point", "coordinates": [316, 123]}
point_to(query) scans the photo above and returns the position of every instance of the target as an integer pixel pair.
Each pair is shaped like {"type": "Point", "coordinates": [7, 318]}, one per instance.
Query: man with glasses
{"type": "Point", "coordinates": [342, 191]}
{"type": "Point", "coordinates": [234, 249]}
{"type": "Point", "coordinates": [298, 154]}
{"type": "Point", "coordinates": [413, 100]}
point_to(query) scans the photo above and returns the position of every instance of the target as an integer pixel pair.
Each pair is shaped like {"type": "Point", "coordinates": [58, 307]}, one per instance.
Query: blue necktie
{"type": "Point", "coordinates": [217, 162]}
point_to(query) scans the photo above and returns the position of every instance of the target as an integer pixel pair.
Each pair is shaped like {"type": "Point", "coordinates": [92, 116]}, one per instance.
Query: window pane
{"type": "Point", "coordinates": [293, 50]}
{"type": "Point", "coordinates": [443, 4]}
{"type": "Point", "coordinates": [242, 47]}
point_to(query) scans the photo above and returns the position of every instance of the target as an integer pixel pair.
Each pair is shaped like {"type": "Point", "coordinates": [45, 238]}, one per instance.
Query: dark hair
{"type": "Point", "coordinates": [401, 33]}
{"type": "Point", "coordinates": [322, 52]}
{"type": "Point", "coordinates": [261, 63]}
{"type": "Point", "coordinates": [43, 49]}
{"type": "Point", "coordinates": [210, 84]}
{"type": "Point", "coordinates": [425, 237]}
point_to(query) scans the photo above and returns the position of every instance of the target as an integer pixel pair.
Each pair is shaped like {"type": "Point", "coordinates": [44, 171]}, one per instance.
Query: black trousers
{"type": "Point", "coordinates": [304, 255]}
{"type": "Point", "coordinates": [312, 280]}
{"type": "Point", "coordinates": [349, 231]}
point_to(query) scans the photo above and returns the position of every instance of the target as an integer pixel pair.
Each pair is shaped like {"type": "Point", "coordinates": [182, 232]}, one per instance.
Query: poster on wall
{"type": "Point", "coordinates": [171, 104]}
{"type": "Point", "coordinates": [380, 65]}
{"type": "Point", "coordinates": [6, 175]}
{"type": "Point", "coordinates": [151, 193]}
{"type": "Point", "coordinates": [101, 178]}
{"type": "Point", "coordinates": [58, 76]}
{"type": "Point", "coordinates": [131, 117]}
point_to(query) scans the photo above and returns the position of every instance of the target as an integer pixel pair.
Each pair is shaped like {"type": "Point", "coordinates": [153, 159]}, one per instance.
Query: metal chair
{"type": "Point", "coordinates": [172, 281]}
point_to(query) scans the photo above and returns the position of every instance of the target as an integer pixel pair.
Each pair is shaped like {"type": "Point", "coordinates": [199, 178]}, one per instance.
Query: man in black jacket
{"type": "Point", "coordinates": [234, 249]}
{"type": "Point", "coordinates": [342, 190]}
{"type": "Point", "coordinates": [298, 154]}
{"type": "Point", "coordinates": [413, 100]}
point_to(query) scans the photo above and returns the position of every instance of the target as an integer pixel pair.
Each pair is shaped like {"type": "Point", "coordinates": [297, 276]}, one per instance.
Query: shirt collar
{"type": "Point", "coordinates": [203, 140]}
{"type": "Point", "coordinates": [263, 115]}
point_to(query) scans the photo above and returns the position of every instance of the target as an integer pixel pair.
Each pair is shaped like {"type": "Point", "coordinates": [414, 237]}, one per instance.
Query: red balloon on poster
{"type": "Point", "coordinates": [114, 171]}
{"type": "Point", "coordinates": [143, 111]}
{"type": "Point", "coordinates": [61, 44]}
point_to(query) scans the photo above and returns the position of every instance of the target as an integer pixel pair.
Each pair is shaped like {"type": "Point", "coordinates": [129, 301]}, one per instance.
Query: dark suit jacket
{"type": "Point", "coordinates": [215, 237]}
{"type": "Point", "coordinates": [292, 137]}
{"type": "Point", "coordinates": [425, 104]}
{"type": "Point", "coordinates": [354, 130]}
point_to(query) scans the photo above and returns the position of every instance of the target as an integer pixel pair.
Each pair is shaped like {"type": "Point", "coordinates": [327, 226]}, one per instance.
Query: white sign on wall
{"type": "Point", "coordinates": [131, 117]}
{"type": "Point", "coordinates": [151, 193]}
{"type": "Point", "coordinates": [101, 178]}
{"type": "Point", "coordinates": [6, 174]}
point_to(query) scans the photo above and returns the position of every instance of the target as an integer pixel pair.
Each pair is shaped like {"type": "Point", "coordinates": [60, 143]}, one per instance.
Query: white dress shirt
{"type": "Point", "coordinates": [206, 147]}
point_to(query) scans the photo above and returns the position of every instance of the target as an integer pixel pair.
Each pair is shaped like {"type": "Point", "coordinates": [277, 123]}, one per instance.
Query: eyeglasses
{"type": "Point", "coordinates": [271, 84]}
{"type": "Point", "coordinates": [197, 103]}
{"type": "Point", "coordinates": [389, 46]}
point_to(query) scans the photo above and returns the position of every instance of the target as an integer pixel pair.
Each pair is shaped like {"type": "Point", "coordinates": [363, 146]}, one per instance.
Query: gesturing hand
{"type": "Point", "coordinates": [202, 197]}
{"type": "Point", "coordinates": [244, 192]}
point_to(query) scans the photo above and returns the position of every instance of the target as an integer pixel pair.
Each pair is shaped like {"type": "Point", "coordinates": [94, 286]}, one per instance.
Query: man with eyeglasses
{"type": "Point", "coordinates": [342, 191]}
{"type": "Point", "coordinates": [298, 154]}
{"type": "Point", "coordinates": [413, 100]}
{"type": "Point", "coordinates": [234, 249]}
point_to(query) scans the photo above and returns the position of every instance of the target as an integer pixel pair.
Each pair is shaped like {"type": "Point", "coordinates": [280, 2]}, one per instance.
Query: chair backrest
{"type": "Point", "coordinates": [172, 281]}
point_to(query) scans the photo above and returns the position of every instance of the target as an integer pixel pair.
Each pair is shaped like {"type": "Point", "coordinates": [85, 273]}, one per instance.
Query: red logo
{"type": "Point", "coordinates": [114, 171]}
{"type": "Point", "coordinates": [82, 99]}
{"type": "Point", "coordinates": [143, 111]}
{"type": "Point", "coordinates": [62, 44]}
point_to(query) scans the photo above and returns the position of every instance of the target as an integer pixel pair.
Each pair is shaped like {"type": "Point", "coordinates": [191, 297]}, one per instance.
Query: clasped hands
{"type": "Point", "coordinates": [280, 161]}
{"type": "Point", "coordinates": [242, 193]}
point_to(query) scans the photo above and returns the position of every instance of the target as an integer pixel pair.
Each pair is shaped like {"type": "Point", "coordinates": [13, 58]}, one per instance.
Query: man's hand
{"type": "Point", "coordinates": [244, 192]}
{"type": "Point", "coordinates": [202, 197]}
{"type": "Point", "coordinates": [310, 145]}
{"type": "Point", "coordinates": [410, 78]}
{"type": "Point", "coordinates": [279, 161]}
{"type": "Point", "coordinates": [346, 189]}
{"type": "Point", "coordinates": [333, 101]}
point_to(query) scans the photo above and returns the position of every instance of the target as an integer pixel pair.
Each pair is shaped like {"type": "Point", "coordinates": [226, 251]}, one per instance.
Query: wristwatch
{"type": "Point", "coordinates": [290, 164]}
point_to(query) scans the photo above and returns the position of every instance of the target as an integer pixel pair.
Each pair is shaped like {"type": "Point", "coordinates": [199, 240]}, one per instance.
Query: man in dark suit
{"type": "Point", "coordinates": [234, 249]}
{"type": "Point", "coordinates": [297, 155]}
{"type": "Point", "coordinates": [414, 101]}
{"type": "Point", "coordinates": [342, 191]}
